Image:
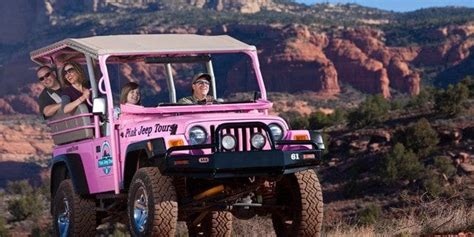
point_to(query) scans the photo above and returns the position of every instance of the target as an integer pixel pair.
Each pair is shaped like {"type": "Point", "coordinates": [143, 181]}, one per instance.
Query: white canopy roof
{"type": "Point", "coordinates": [139, 45]}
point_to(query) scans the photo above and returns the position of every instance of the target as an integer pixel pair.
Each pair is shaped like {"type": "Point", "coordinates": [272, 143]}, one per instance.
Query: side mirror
{"type": "Point", "coordinates": [99, 106]}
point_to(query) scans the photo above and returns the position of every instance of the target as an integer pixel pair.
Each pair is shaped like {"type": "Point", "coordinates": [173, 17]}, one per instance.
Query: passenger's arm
{"type": "Point", "coordinates": [51, 110]}
{"type": "Point", "coordinates": [68, 108]}
{"type": "Point", "coordinates": [71, 106]}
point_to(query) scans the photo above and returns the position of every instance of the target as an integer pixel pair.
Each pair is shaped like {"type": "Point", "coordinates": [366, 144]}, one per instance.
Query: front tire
{"type": "Point", "coordinates": [152, 204]}
{"type": "Point", "coordinates": [73, 215]}
{"type": "Point", "coordinates": [300, 195]}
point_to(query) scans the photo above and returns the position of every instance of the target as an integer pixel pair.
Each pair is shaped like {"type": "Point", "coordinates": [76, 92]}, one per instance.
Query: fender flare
{"type": "Point", "coordinates": [153, 148]}
{"type": "Point", "coordinates": [69, 165]}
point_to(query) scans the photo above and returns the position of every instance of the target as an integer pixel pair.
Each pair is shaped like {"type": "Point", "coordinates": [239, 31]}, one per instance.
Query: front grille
{"type": "Point", "coordinates": [242, 132]}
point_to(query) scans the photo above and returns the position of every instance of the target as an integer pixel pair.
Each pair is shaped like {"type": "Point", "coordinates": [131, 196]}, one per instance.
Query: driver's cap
{"type": "Point", "coordinates": [202, 76]}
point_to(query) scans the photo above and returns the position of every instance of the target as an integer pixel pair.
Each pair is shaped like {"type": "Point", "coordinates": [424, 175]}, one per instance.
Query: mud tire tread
{"type": "Point", "coordinates": [83, 212]}
{"type": "Point", "coordinates": [309, 216]}
{"type": "Point", "coordinates": [161, 196]}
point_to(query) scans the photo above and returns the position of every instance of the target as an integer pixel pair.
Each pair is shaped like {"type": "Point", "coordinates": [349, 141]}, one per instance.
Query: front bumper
{"type": "Point", "coordinates": [274, 162]}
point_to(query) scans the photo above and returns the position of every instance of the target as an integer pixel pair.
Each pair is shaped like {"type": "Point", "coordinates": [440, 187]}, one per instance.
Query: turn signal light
{"type": "Point", "coordinates": [301, 137]}
{"type": "Point", "coordinates": [175, 142]}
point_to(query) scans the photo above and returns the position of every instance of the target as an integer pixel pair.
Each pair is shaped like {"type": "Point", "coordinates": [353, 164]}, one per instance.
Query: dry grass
{"type": "Point", "coordinates": [436, 217]}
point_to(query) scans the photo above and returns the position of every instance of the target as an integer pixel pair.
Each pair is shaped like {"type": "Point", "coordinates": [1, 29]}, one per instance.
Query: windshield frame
{"type": "Point", "coordinates": [105, 81]}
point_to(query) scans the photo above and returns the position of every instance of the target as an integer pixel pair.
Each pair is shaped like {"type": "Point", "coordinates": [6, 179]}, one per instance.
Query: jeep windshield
{"type": "Point", "coordinates": [164, 79]}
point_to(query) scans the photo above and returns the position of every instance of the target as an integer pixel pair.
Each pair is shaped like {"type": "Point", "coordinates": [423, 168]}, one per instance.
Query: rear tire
{"type": "Point", "coordinates": [152, 204]}
{"type": "Point", "coordinates": [301, 195]}
{"type": "Point", "coordinates": [215, 224]}
{"type": "Point", "coordinates": [73, 215]}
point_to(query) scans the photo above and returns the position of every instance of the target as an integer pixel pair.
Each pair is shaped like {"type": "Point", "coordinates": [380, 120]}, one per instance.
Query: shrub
{"type": "Point", "coordinates": [423, 100]}
{"type": "Point", "coordinates": [338, 116]}
{"type": "Point", "coordinates": [419, 137]}
{"type": "Point", "coordinates": [396, 105]}
{"type": "Point", "coordinates": [445, 165]}
{"type": "Point", "coordinates": [468, 81]}
{"type": "Point", "coordinates": [45, 188]}
{"type": "Point", "coordinates": [295, 119]}
{"type": "Point", "coordinates": [432, 184]}
{"type": "Point", "coordinates": [27, 205]}
{"type": "Point", "coordinates": [3, 227]}
{"type": "Point", "coordinates": [370, 215]}
{"type": "Point", "coordinates": [373, 110]}
{"type": "Point", "coordinates": [352, 189]}
{"type": "Point", "coordinates": [41, 232]}
{"type": "Point", "coordinates": [318, 120]}
{"type": "Point", "coordinates": [300, 122]}
{"type": "Point", "coordinates": [401, 164]}
{"type": "Point", "coordinates": [22, 187]}
{"type": "Point", "coordinates": [452, 101]}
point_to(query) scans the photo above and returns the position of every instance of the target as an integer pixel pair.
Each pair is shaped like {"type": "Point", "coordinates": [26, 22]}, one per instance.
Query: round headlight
{"type": "Point", "coordinates": [277, 131]}
{"type": "Point", "coordinates": [197, 135]}
{"type": "Point", "coordinates": [257, 141]}
{"type": "Point", "coordinates": [228, 142]}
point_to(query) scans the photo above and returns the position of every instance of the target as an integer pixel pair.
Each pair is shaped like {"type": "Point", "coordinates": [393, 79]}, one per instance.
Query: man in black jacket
{"type": "Point", "coordinates": [50, 98]}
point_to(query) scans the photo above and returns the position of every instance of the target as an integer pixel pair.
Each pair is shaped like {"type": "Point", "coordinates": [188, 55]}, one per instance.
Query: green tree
{"type": "Point", "coordinates": [452, 101]}
{"type": "Point", "coordinates": [401, 164]}
{"type": "Point", "coordinates": [419, 137]}
{"type": "Point", "coordinates": [373, 110]}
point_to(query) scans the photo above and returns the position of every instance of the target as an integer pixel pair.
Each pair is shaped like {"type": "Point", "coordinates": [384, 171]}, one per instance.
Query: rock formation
{"type": "Point", "coordinates": [356, 69]}
{"type": "Point", "coordinates": [293, 57]}
{"type": "Point", "coordinates": [23, 137]}
{"type": "Point", "coordinates": [243, 6]}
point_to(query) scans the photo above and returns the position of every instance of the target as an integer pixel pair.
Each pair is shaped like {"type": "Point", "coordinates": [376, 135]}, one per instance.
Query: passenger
{"type": "Point", "coordinates": [200, 88]}
{"type": "Point", "coordinates": [76, 92]}
{"type": "Point", "coordinates": [50, 98]}
{"type": "Point", "coordinates": [130, 94]}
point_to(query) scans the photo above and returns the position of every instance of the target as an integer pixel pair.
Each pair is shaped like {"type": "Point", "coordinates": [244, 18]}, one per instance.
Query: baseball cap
{"type": "Point", "coordinates": [202, 76]}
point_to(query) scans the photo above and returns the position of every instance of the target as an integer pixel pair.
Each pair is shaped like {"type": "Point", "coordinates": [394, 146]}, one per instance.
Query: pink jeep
{"type": "Point", "coordinates": [162, 162]}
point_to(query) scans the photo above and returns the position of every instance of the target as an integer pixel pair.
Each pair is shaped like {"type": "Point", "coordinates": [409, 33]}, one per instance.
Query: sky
{"type": "Point", "coordinates": [398, 5]}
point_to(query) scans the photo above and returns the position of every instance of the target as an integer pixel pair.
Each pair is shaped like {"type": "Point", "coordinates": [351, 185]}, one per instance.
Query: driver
{"type": "Point", "coordinates": [76, 92]}
{"type": "Point", "coordinates": [200, 87]}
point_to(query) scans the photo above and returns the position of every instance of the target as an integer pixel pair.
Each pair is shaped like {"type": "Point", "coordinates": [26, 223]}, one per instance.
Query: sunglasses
{"type": "Point", "coordinates": [70, 70]}
{"type": "Point", "coordinates": [45, 76]}
{"type": "Point", "coordinates": [202, 82]}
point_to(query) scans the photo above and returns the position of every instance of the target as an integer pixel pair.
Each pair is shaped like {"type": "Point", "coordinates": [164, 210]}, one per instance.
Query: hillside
{"type": "Point", "coordinates": [325, 46]}
{"type": "Point", "coordinates": [408, 170]}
